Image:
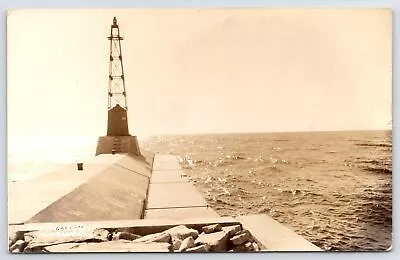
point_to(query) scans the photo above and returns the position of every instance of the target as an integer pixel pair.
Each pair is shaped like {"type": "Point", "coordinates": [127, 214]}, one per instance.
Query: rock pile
{"type": "Point", "coordinates": [211, 238]}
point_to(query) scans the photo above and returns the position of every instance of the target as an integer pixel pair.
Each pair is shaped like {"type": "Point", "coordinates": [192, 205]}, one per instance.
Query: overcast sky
{"type": "Point", "coordinates": [201, 71]}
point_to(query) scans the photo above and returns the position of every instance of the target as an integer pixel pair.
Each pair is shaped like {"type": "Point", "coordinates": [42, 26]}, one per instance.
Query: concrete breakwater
{"type": "Point", "coordinates": [143, 196]}
{"type": "Point", "coordinates": [110, 187]}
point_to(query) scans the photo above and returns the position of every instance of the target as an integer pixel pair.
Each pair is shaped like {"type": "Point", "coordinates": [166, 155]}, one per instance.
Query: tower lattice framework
{"type": "Point", "coordinates": [118, 139]}
{"type": "Point", "coordinates": [116, 82]}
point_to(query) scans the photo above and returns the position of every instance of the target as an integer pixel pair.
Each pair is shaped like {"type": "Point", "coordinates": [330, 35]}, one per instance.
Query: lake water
{"type": "Point", "coordinates": [334, 188]}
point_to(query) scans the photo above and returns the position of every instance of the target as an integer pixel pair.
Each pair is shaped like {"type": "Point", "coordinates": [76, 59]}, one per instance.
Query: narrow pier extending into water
{"type": "Point", "coordinates": [146, 193]}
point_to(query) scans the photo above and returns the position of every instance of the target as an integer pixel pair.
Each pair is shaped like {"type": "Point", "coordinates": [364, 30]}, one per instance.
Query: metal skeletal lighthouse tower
{"type": "Point", "coordinates": [118, 139]}
{"type": "Point", "coordinates": [117, 104]}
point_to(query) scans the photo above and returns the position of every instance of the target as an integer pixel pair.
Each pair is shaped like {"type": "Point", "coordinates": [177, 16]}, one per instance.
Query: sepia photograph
{"type": "Point", "coordinates": [199, 130]}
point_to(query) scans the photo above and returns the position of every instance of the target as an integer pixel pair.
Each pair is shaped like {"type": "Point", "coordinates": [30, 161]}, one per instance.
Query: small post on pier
{"type": "Point", "coordinates": [80, 166]}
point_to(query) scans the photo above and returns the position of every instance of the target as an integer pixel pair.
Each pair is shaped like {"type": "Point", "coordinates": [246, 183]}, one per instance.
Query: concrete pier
{"type": "Point", "coordinates": [171, 196]}
{"type": "Point", "coordinates": [274, 236]}
{"type": "Point", "coordinates": [140, 194]}
{"type": "Point", "coordinates": [110, 187]}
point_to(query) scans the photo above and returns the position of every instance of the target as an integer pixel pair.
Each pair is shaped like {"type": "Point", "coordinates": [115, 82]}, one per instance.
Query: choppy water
{"type": "Point", "coordinates": [334, 188]}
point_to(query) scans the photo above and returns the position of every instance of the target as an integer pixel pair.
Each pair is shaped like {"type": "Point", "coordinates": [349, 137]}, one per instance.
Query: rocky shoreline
{"type": "Point", "coordinates": [208, 238]}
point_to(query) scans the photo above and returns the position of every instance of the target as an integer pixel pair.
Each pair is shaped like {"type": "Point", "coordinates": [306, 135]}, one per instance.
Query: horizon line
{"type": "Point", "coordinates": [268, 132]}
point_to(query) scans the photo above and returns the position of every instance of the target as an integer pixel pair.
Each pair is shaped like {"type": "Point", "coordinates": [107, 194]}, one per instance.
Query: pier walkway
{"type": "Point", "coordinates": [171, 196]}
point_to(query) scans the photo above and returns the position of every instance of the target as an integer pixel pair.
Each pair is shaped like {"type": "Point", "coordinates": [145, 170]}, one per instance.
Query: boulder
{"type": "Point", "coordinates": [186, 243]}
{"type": "Point", "coordinates": [176, 244]}
{"type": "Point", "coordinates": [124, 235]}
{"type": "Point", "coordinates": [231, 230]}
{"type": "Point", "coordinates": [101, 234]}
{"type": "Point", "coordinates": [16, 251]}
{"type": "Point", "coordinates": [256, 247]}
{"type": "Point", "coordinates": [38, 249]}
{"type": "Point", "coordinates": [54, 237]}
{"type": "Point", "coordinates": [12, 238]}
{"type": "Point", "coordinates": [217, 241]}
{"type": "Point", "coordinates": [240, 239]}
{"type": "Point", "coordinates": [246, 247]}
{"type": "Point", "coordinates": [212, 228]}
{"type": "Point", "coordinates": [198, 249]}
{"type": "Point", "coordinates": [248, 234]}
{"type": "Point", "coordinates": [18, 246]}
{"type": "Point", "coordinates": [181, 232]}
{"type": "Point", "coordinates": [249, 246]}
{"type": "Point", "coordinates": [28, 237]}
{"type": "Point", "coordinates": [157, 237]}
